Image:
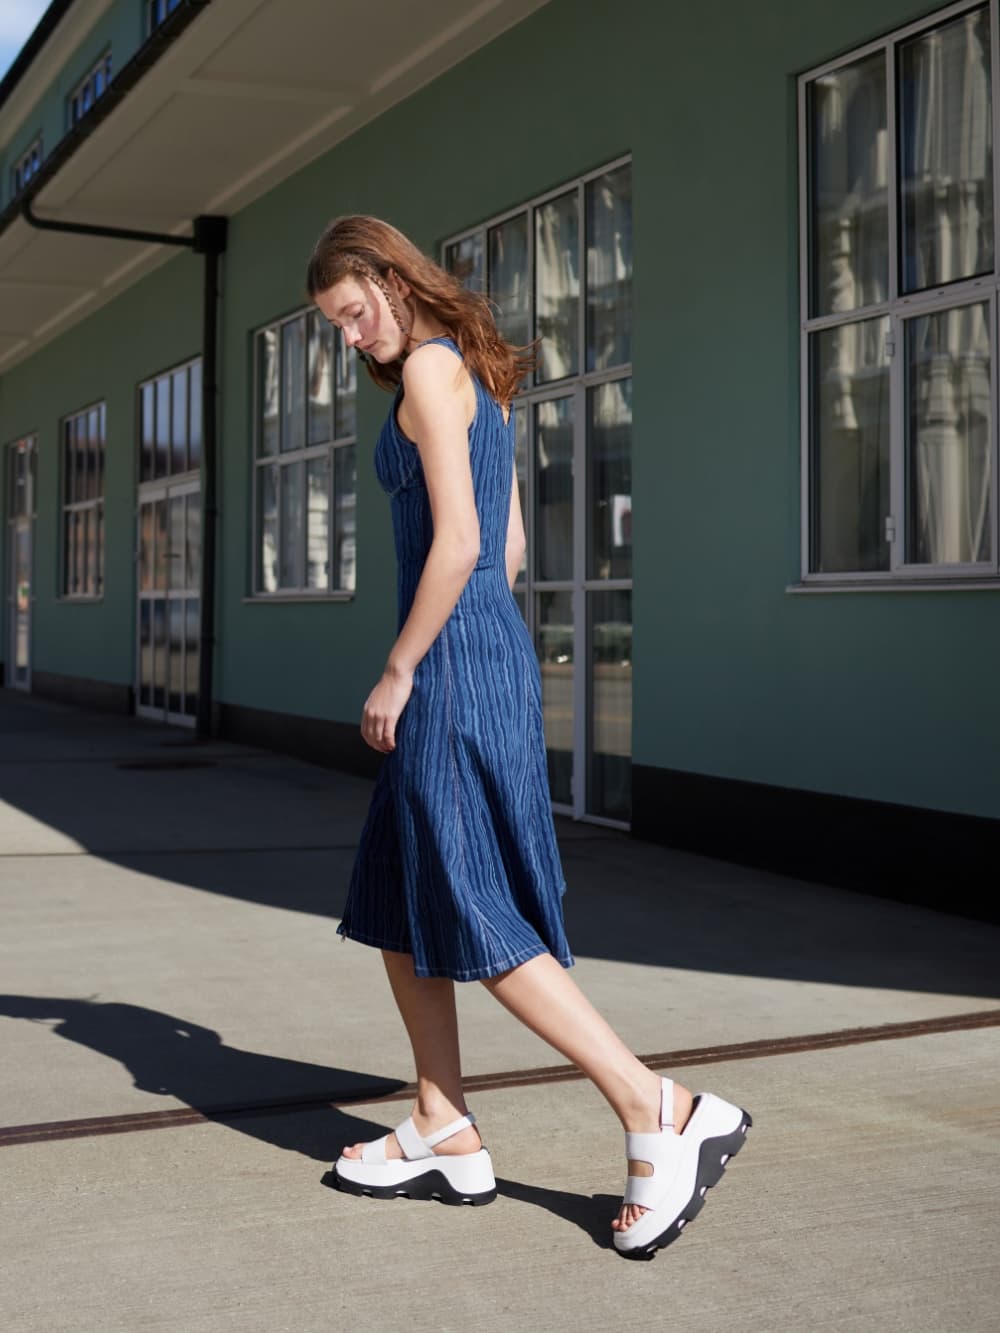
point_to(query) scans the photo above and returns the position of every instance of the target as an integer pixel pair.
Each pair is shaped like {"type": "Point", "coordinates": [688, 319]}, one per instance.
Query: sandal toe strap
{"type": "Point", "coordinates": [374, 1152]}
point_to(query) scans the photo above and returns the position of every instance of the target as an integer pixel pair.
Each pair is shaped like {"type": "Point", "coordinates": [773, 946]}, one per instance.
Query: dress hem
{"type": "Point", "coordinates": [455, 974]}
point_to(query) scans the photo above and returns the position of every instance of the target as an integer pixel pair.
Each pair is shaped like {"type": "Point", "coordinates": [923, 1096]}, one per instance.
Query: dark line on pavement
{"type": "Point", "coordinates": [704, 1055]}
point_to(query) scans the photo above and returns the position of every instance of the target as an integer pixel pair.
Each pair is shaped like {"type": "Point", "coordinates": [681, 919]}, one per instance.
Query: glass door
{"type": "Point", "coordinates": [20, 541]}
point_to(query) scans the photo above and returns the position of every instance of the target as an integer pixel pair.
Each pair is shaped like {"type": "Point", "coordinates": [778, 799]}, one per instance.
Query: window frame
{"type": "Point", "coordinates": [577, 387]}
{"type": "Point", "coordinates": [22, 171]}
{"type": "Point", "coordinates": [259, 461]}
{"type": "Point", "coordinates": [898, 308]}
{"type": "Point", "coordinates": [75, 112]}
{"type": "Point", "coordinates": [93, 504]}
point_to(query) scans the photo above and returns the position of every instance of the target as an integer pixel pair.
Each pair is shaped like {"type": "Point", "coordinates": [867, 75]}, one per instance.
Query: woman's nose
{"type": "Point", "coordinates": [351, 336]}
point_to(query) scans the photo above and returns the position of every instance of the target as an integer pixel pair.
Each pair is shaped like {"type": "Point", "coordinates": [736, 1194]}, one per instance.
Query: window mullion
{"type": "Point", "coordinates": [892, 170]}
{"type": "Point", "coordinates": [897, 442]}
{"type": "Point", "coordinates": [994, 436]}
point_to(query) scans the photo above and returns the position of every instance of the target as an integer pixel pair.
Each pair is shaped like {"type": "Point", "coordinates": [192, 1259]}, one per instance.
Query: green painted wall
{"type": "Point", "coordinates": [154, 325]}
{"type": "Point", "coordinates": [883, 695]}
{"type": "Point", "coordinates": [122, 30]}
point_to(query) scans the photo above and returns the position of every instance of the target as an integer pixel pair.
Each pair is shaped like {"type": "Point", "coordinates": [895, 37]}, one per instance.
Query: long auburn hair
{"type": "Point", "coordinates": [366, 247]}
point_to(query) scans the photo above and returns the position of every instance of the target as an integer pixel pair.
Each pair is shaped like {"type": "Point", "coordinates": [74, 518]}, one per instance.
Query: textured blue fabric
{"type": "Point", "coordinates": [458, 863]}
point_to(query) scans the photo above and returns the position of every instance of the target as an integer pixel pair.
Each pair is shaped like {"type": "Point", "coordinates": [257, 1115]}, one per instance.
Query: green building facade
{"type": "Point", "coordinates": [758, 247]}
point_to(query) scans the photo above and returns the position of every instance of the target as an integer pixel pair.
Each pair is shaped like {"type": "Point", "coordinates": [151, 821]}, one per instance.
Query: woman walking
{"type": "Point", "coordinates": [457, 876]}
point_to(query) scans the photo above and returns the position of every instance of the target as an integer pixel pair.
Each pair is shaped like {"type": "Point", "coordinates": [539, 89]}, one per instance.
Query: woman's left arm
{"type": "Point", "coordinates": [438, 415]}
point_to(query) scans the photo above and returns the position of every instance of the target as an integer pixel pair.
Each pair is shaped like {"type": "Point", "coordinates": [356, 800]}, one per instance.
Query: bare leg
{"type": "Point", "coordinates": [427, 1007]}
{"type": "Point", "coordinates": [547, 1000]}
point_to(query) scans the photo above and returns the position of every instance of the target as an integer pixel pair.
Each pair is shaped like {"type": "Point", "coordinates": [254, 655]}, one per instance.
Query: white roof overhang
{"type": "Point", "coordinates": [248, 93]}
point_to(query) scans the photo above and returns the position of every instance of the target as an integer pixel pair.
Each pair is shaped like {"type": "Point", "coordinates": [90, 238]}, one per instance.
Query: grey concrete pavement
{"type": "Point", "coordinates": [169, 941]}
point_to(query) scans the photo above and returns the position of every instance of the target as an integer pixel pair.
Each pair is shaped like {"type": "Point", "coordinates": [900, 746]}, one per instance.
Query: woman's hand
{"type": "Point", "coordinates": [383, 708]}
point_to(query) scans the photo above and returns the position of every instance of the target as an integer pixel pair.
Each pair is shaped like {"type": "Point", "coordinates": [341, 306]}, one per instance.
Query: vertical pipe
{"type": "Point", "coordinates": [210, 240]}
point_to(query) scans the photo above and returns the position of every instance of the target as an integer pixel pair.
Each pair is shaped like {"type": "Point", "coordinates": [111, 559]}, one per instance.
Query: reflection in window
{"type": "Point", "coordinates": [849, 369]}
{"type": "Point", "coordinates": [170, 423]}
{"type": "Point", "coordinates": [609, 269]}
{"type": "Point", "coordinates": [93, 87]}
{"type": "Point", "coordinates": [946, 137]}
{"type": "Point", "coordinates": [948, 436]}
{"type": "Point", "coordinates": [305, 474]}
{"type": "Point", "coordinates": [609, 453]}
{"type": "Point", "coordinates": [557, 286]}
{"type": "Point", "coordinates": [84, 436]}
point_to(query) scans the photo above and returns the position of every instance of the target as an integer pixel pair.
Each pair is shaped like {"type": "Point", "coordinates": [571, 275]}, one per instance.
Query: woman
{"type": "Point", "coordinates": [457, 876]}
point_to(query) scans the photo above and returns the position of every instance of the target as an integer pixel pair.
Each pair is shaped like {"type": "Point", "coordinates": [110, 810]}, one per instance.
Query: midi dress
{"type": "Point", "coordinates": [458, 863]}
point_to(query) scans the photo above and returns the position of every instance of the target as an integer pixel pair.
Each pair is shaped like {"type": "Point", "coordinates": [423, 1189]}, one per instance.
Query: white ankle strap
{"type": "Point", "coordinates": [667, 1104]}
{"type": "Point", "coordinates": [456, 1126]}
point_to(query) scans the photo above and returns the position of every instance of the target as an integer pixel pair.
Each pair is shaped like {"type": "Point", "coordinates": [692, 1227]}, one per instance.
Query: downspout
{"type": "Point", "coordinates": [209, 239]}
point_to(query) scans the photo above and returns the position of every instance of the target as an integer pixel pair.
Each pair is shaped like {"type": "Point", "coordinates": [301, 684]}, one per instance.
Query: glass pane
{"type": "Point", "coordinates": [946, 153]}
{"type": "Point", "coordinates": [849, 467]}
{"type": "Point", "coordinates": [192, 654]}
{"type": "Point", "coordinates": [85, 568]}
{"type": "Point", "coordinates": [175, 655]}
{"type": "Point", "coordinates": [510, 279]}
{"type": "Point", "coordinates": [67, 554]}
{"type": "Point", "coordinates": [146, 551]}
{"type": "Point", "coordinates": [146, 445]}
{"type": "Point", "coordinates": [465, 260]}
{"type": "Point", "coordinates": [179, 422]}
{"type": "Point", "coordinates": [192, 560]}
{"type": "Point", "coordinates": [162, 427]}
{"type": "Point", "coordinates": [93, 541]}
{"type": "Point", "coordinates": [94, 449]}
{"type": "Point", "coordinates": [521, 465]}
{"type": "Point", "coordinates": [68, 462]}
{"type": "Point", "coordinates": [22, 603]}
{"type": "Point", "coordinates": [145, 653]}
{"type": "Point", "coordinates": [320, 379]}
{"type": "Point", "coordinates": [175, 571]}
{"type": "Point", "coordinates": [161, 552]}
{"type": "Point", "coordinates": [345, 492]}
{"type": "Point", "coordinates": [318, 523]}
{"type": "Point", "coordinates": [292, 503]}
{"type": "Point", "coordinates": [159, 614]}
{"type": "Point", "coordinates": [554, 635]}
{"type": "Point", "coordinates": [81, 485]}
{"type": "Point", "coordinates": [267, 374]}
{"type": "Point", "coordinates": [557, 286]}
{"type": "Point", "coordinates": [293, 385]}
{"type": "Point", "coordinates": [609, 790]}
{"type": "Point", "coordinates": [948, 437]}
{"type": "Point", "coordinates": [79, 552]}
{"type": "Point", "coordinates": [100, 456]}
{"type": "Point", "coordinates": [18, 481]}
{"type": "Point", "coordinates": [609, 269]}
{"type": "Point", "coordinates": [848, 187]}
{"type": "Point", "coordinates": [609, 473]}
{"type": "Point", "coordinates": [554, 489]}
{"type": "Point", "coordinates": [267, 529]}
{"type": "Point", "coordinates": [347, 390]}
{"type": "Point", "coordinates": [195, 407]}
{"type": "Point", "coordinates": [100, 548]}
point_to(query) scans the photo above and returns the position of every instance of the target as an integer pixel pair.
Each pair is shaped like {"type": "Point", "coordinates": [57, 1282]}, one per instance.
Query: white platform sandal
{"type": "Point", "coordinates": [685, 1166]}
{"type": "Point", "coordinates": [420, 1173]}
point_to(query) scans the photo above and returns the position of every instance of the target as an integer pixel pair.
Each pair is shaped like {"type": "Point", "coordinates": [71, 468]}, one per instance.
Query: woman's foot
{"type": "Point", "coordinates": [420, 1165]}
{"type": "Point", "coordinates": [647, 1121]}
{"type": "Point", "coordinates": [465, 1141]}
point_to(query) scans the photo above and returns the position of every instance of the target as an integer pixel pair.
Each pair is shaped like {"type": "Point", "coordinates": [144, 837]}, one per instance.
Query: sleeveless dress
{"type": "Point", "coordinates": [458, 863]}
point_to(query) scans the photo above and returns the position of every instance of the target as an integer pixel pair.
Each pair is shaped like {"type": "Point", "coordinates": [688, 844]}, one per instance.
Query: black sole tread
{"type": "Point", "coordinates": [428, 1186]}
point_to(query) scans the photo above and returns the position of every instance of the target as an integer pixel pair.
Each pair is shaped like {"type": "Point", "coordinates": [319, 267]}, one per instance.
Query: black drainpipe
{"type": "Point", "coordinates": [209, 239]}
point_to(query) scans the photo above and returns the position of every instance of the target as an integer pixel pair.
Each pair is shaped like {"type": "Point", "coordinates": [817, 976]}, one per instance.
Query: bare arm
{"type": "Point", "coordinates": [438, 411]}
{"type": "Point", "coordinates": [515, 534]}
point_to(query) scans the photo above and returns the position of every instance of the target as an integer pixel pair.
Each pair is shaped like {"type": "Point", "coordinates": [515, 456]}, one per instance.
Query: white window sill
{"type": "Point", "coordinates": [282, 598]}
{"type": "Point", "coordinates": [991, 584]}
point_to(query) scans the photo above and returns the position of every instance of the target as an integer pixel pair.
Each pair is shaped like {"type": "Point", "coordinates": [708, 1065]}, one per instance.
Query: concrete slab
{"type": "Point", "coordinates": [865, 1199]}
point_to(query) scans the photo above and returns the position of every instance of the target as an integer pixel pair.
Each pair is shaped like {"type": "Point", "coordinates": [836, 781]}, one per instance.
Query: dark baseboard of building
{"type": "Point", "coordinates": [103, 695]}
{"type": "Point", "coordinates": [926, 857]}
{"type": "Point", "coordinates": [332, 744]}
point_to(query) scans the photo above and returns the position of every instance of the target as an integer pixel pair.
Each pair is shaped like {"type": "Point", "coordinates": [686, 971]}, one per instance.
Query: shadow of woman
{"type": "Point", "coordinates": [591, 1214]}
{"type": "Point", "coordinates": [259, 1095]}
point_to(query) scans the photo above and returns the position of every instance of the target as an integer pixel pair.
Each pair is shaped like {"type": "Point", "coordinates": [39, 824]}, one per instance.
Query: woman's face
{"type": "Point", "coordinates": [359, 309]}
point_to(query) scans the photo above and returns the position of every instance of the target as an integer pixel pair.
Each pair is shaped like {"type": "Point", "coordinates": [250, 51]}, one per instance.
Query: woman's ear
{"type": "Point", "coordinates": [403, 289]}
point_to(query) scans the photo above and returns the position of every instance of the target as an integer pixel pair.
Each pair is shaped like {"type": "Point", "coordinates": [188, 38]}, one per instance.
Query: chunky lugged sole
{"type": "Point", "coordinates": [713, 1157]}
{"type": "Point", "coordinates": [467, 1178]}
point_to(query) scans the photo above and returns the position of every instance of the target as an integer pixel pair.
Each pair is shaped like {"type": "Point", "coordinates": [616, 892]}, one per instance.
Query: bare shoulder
{"type": "Point", "coordinates": [435, 381]}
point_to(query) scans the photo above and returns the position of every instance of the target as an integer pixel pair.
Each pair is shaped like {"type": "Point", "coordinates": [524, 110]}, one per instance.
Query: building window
{"type": "Point", "coordinates": [87, 92]}
{"type": "Point", "coordinates": [899, 307]}
{"type": "Point", "coordinates": [559, 268]}
{"type": "Point", "coordinates": [157, 11]}
{"type": "Point", "coordinates": [83, 436]}
{"type": "Point", "coordinates": [305, 472]}
{"type": "Point", "coordinates": [170, 410]}
{"type": "Point", "coordinates": [27, 166]}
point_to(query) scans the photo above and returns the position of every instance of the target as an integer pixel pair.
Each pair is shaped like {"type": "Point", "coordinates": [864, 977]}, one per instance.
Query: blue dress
{"type": "Point", "coordinates": [458, 863]}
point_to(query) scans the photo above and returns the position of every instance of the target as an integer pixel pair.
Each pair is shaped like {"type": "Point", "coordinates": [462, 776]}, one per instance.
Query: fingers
{"type": "Point", "coordinates": [378, 732]}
